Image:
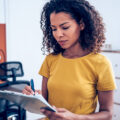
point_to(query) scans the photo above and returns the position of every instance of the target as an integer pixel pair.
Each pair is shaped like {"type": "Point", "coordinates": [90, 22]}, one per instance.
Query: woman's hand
{"type": "Point", "coordinates": [28, 91]}
{"type": "Point", "coordinates": [61, 114]}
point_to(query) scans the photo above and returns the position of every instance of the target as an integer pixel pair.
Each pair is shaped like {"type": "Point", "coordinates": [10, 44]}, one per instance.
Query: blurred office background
{"type": "Point", "coordinates": [21, 38]}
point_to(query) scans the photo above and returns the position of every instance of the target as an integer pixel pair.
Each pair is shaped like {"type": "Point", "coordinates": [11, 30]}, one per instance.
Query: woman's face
{"type": "Point", "coordinates": [65, 29]}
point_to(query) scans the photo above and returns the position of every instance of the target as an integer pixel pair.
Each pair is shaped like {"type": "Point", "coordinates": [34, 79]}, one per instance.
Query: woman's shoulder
{"type": "Point", "coordinates": [101, 59]}
{"type": "Point", "coordinates": [52, 58]}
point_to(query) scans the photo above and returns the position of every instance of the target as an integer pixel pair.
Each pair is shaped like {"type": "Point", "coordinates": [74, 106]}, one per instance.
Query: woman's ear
{"type": "Point", "coordinates": [82, 25]}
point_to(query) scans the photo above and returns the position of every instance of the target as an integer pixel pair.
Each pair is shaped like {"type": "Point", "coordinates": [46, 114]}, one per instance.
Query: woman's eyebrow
{"type": "Point", "coordinates": [60, 24]}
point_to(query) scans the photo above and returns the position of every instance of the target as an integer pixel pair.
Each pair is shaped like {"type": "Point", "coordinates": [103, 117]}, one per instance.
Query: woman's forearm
{"type": "Point", "coordinates": [103, 115]}
{"type": "Point", "coordinates": [44, 88]}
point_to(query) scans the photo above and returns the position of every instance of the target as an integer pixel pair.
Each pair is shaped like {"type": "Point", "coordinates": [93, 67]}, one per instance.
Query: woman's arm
{"type": "Point", "coordinates": [44, 88]}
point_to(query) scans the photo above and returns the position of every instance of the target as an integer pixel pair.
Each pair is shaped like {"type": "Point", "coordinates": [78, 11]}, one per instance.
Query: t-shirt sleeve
{"type": "Point", "coordinates": [44, 70]}
{"type": "Point", "coordinates": [106, 79]}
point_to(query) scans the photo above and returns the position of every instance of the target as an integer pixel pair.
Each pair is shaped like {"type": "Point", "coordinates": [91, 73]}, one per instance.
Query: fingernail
{"type": "Point", "coordinates": [54, 106]}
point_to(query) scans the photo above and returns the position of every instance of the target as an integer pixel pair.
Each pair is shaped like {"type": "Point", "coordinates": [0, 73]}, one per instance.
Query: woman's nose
{"type": "Point", "coordinates": [59, 33]}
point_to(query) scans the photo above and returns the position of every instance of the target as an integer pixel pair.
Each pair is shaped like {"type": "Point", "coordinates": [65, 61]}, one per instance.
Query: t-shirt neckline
{"type": "Point", "coordinates": [74, 59]}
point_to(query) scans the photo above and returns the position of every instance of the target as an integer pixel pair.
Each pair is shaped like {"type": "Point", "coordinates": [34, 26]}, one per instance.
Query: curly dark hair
{"type": "Point", "coordinates": [91, 38]}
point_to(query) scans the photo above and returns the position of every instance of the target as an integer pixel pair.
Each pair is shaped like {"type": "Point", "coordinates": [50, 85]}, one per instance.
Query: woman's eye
{"type": "Point", "coordinates": [65, 28]}
{"type": "Point", "coordinates": [54, 29]}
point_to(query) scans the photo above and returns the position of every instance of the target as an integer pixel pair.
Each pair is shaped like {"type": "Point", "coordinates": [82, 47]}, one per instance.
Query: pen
{"type": "Point", "coordinates": [32, 85]}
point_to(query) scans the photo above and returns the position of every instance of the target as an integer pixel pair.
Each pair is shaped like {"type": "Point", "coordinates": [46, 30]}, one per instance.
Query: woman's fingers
{"type": "Point", "coordinates": [27, 90]}
{"type": "Point", "coordinates": [48, 113]}
{"type": "Point", "coordinates": [38, 91]}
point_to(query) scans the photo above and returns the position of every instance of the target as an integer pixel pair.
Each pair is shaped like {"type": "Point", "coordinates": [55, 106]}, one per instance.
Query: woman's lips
{"type": "Point", "coordinates": [62, 42]}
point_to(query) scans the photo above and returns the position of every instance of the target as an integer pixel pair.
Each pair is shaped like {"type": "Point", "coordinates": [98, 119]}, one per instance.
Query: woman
{"type": "Point", "coordinates": [75, 74]}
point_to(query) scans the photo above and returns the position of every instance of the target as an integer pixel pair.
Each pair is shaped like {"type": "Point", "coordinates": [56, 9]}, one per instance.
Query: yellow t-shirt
{"type": "Point", "coordinates": [73, 83]}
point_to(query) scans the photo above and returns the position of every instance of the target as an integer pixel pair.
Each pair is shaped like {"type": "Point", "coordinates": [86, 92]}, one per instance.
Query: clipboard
{"type": "Point", "coordinates": [28, 102]}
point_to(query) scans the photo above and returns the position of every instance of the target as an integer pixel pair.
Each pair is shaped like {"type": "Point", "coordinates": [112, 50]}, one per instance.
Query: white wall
{"type": "Point", "coordinates": [24, 36]}
{"type": "Point", "coordinates": [2, 11]}
{"type": "Point", "coordinates": [109, 10]}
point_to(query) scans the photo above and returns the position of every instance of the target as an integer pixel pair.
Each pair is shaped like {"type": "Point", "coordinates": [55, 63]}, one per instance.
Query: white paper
{"type": "Point", "coordinates": [28, 102]}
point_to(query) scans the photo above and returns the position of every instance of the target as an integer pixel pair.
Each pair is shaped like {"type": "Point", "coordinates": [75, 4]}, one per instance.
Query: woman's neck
{"type": "Point", "coordinates": [75, 52]}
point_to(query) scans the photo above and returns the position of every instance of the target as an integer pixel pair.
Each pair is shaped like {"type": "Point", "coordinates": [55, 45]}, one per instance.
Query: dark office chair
{"type": "Point", "coordinates": [9, 71]}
